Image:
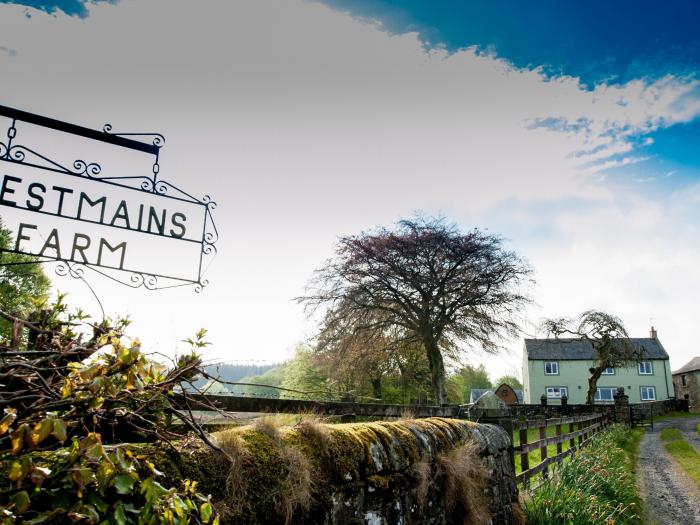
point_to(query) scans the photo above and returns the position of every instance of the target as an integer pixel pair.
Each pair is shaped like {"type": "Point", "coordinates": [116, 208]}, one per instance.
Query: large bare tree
{"type": "Point", "coordinates": [435, 284]}
{"type": "Point", "coordinates": [608, 337]}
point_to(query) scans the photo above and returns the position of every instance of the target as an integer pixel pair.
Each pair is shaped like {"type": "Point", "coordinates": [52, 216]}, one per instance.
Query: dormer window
{"type": "Point", "coordinates": [551, 368]}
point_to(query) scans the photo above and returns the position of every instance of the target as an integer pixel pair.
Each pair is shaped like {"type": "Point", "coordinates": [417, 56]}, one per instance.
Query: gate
{"type": "Point", "coordinates": [642, 415]}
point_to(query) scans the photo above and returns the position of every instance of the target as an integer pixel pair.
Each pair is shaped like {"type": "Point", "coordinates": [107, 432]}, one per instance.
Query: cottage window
{"type": "Point", "coordinates": [645, 368]}
{"type": "Point", "coordinates": [556, 392]}
{"type": "Point", "coordinates": [605, 393]}
{"type": "Point", "coordinates": [609, 371]}
{"type": "Point", "coordinates": [551, 368]}
{"type": "Point", "coordinates": [684, 380]}
{"type": "Point", "coordinates": [648, 393]}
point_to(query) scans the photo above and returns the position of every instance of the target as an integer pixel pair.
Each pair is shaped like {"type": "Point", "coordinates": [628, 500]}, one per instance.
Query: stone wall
{"type": "Point", "coordinates": [428, 471]}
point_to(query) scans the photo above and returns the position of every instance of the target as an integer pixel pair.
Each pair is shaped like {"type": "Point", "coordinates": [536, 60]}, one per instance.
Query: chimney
{"type": "Point", "coordinates": [653, 333]}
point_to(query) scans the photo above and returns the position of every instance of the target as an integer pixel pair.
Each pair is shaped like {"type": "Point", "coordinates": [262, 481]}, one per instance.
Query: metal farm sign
{"type": "Point", "coordinates": [133, 228]}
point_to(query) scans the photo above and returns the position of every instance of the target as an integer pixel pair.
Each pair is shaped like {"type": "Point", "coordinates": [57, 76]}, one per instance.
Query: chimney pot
{"type": "Point", "coordinates": [653, 333]}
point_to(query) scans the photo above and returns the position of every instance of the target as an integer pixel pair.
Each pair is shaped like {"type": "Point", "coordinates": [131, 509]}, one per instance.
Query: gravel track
{"type": "Point", "coordinates": [670, 497]}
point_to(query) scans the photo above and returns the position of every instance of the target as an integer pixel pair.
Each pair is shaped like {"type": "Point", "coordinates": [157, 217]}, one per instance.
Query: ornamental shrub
{"type": "Point", "coordinates": [75, 416]}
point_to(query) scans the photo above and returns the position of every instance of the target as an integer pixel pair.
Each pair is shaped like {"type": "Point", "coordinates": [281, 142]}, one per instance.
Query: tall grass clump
{"type": "Point", "coordinates": [595, 487]}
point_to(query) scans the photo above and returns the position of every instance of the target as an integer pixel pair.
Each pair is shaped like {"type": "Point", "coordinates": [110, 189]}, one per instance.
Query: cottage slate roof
{"type": "Point", "coordinates": [578, 350]}
{"type": "Point", "coordinates": [691, 366]}
{"type": "Point", "coordinates": [476, 393]}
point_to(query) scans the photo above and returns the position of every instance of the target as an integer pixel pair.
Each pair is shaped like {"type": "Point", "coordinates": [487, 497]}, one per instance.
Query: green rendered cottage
{"type": "Point", "coordinates": [560, 367]}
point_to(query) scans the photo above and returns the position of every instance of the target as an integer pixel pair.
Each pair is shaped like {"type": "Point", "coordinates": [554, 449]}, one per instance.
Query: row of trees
{"type": "Point", "coordinates": [405, 381]}
{"type": "Point", "coordinates": [427, 291]}
{"type": "Point", "coordinates": [395, 306]}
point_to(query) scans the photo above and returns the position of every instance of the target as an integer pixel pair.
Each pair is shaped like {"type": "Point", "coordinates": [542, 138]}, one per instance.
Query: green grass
{"type": "Point", "coordinates": [597, 487]}
{"type": "Point", "coordinates": [534, 456]}
{"type": "Point", "coordinates": [671, 434]}
{"type": "Point", "coordinates": [630, 442]}
{"type": "Point", "coordinates": [687, 457]}
{"type": "Point", "coordinates": [673, 415]}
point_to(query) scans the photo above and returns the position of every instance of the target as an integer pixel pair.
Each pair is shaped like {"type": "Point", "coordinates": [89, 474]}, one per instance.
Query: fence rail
{"type": "Point", "coordinates": [230, 403]}
{"type": "Point", "coordinates": [579, 431]}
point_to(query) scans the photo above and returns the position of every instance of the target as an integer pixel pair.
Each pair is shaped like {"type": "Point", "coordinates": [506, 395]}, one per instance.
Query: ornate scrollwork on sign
{"type": "Point", "coordinates": [145, 209]}
{"type": "Point", "coordinates": [158, 139]}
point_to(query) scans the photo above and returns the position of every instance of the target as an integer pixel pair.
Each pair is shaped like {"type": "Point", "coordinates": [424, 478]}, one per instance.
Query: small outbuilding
{"type": "Point", "coordinates": [686, 383]}
{"type": "Point", "coordinates": [509, 395]}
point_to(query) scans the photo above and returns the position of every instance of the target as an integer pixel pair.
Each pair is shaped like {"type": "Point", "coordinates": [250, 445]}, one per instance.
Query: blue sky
{"type": "Point", "coordinates": [69, 7]}
{"type": "Point", "coordinates": [599, 42]}
{"type": "Point", "coordinates": [595, 41]}
{"type": "Point", "coordinates": [572, 131]}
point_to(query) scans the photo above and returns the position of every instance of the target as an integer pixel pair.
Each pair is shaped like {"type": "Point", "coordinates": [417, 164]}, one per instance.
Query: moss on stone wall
{"type": "Point", "coordinates": [355, 470]}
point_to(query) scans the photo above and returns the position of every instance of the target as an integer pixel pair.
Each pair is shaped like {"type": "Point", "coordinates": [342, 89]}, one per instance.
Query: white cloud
{"type": "Point", "coordinates": [306, 124]}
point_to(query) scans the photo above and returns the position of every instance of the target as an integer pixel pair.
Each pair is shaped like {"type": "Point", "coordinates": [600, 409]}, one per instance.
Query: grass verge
{"type": "Point", "coordinates": [683, 452]}
{"type": "Point", "coordinates": [597, 487]}
{"type": "Point", "coordinates": [688, 458]}
{"type": "Point", "coordinates": [671, 434]}
{"type": "Point", "coordinates": [673, 415]}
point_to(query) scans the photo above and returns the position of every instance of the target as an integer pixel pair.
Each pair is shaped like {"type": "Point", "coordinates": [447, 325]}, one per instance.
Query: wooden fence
{"type": "Point", "coordinates": [567, 441]}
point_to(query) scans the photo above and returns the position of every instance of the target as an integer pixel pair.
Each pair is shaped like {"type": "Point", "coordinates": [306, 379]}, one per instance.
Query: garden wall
{"type": "Point", "coordinates": [428, 471]}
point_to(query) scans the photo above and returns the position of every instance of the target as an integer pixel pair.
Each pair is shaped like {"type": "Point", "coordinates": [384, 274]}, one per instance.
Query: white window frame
{"type": "Point", "coordinates": [611, 372]}
{"type": "Point", "coordinates": [647, 389]}
{"type": "Point", "coordinates": [556, 392]}
{"type": "Point", "coordinates": [599, 397]}
{"type": "Point", "coordinates": [642, 368]}
{"type": "Point", "coordinates": [553, 365]}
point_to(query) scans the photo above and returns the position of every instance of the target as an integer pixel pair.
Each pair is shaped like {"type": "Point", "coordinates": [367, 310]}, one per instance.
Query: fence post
{"type": "Point", "coordinates": [572, 440]}
{"type": "Point", "coordinates": [543, 450]}
{"type": "Point", "coordinates": [559, 441]}
{"type": "Point", "coordinates": [622, 406]}
{"type": "Point", "coordinates": [580, 436]}
{"type": "Point", "coordinates": [524, 457]}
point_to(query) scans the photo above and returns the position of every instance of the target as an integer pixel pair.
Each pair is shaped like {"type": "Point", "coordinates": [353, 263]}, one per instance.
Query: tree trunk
{"type": "Point", "coordinates": [592, 384]}
{"type": "Point", "coordinates": [377, 387]}
{"type": "Point", "coordinates": [437, 369]}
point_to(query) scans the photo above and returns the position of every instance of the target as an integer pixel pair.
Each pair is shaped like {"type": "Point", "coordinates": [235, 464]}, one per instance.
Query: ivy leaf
{"type": "Point", "coordinates": [205, 512]}
{"type": "Point", "coordinates": [7, 420]}
{"type": "Point", "coordinates": [67, 390]}
{"type": "Point", "coordinates": [98, 502]}
{"type": "Point", "coordinates": [41, 431]}
{"type": "Point", "coordinates": [16, 471]}
{"type": "Point", "coordinates": [119, 514]}
{"type": "Point", "coordinates": [123, 483]}
{"type": "Point", "coordinates": [17, 438]}
{"type": "Point", "coordinates": [21, 501]}
{"type": "Point", "coordinates": [59, 430]}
